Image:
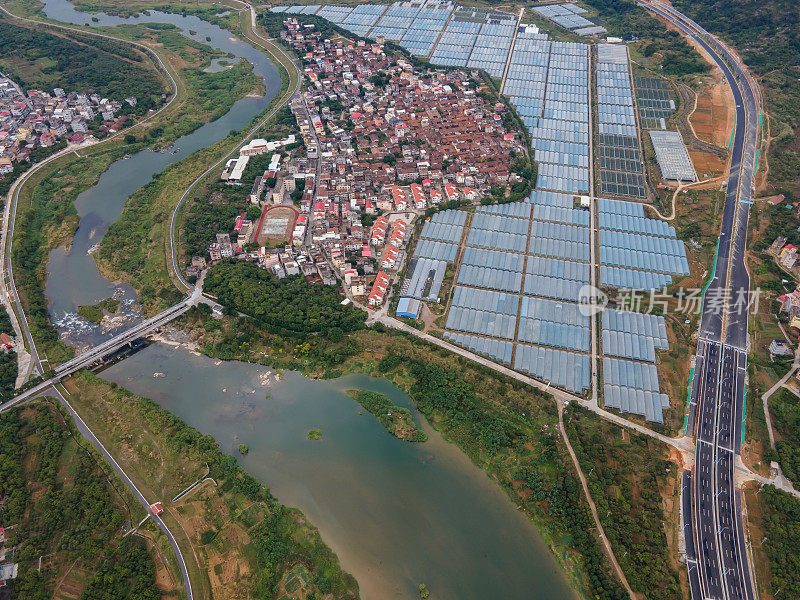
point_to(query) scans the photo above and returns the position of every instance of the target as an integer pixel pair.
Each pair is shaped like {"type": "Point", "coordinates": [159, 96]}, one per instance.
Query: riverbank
{"type": "Point", "coordinates": [47, 201]}
{"type": "Point", "coordinates": [241, 542]}
{"type": "Point", "coordinates": [506, 428]}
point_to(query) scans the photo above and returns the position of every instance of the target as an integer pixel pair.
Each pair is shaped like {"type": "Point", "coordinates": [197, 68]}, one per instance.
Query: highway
{"type": "Point", "coordinates": [716, 556]}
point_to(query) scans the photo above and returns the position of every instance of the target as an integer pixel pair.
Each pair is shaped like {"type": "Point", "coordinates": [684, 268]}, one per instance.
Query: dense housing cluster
{"type": "Point", "coordinates": [384, 141]}
{"type": "Point", "coordinates": [40, 119]}
{"type": "Point", "coordinates": [379, 141]}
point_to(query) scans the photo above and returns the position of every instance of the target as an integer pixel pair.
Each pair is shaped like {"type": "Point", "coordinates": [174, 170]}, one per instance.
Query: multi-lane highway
{"type": "Point", "coordinates": [716, 556]}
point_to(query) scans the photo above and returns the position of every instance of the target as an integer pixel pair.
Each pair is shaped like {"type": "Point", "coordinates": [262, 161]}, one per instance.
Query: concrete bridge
{"type": "Point", "coordinates": [102, 352]}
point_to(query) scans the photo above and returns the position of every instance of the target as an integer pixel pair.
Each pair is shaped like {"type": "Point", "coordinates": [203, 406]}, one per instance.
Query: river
{"type": "Point", "coordinates": [397, 514]}
{"type": "Point", "coordinates": [73, 278]}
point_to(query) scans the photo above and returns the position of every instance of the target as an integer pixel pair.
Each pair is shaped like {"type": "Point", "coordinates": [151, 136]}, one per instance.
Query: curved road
{"type": "Point", "coordinates": [8, 287]}
{"type": "Point", "coordinates": [251, 134]}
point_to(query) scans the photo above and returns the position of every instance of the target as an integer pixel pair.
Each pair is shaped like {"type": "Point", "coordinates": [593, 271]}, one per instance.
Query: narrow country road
{"type": "Point", "coordinates": [607, 549]}
{"type": "Point", "coordinates": [765, 398]}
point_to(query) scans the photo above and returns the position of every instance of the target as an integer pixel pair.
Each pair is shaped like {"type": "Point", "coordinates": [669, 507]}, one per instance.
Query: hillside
{"type": "Point", "coordinates": [766, 33]}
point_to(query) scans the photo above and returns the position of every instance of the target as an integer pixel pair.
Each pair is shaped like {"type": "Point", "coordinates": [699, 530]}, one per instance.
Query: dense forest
{"type": "Point", "coordinates": [766, 33]}
{"type": "Point", "coordinates": [36, 59]}
{"type": "Point", "coordinates": [8, 360]}
{"type": "Point", "coordinates": [289, 306]}
{"type": "Point", "coordinates": [781, 521]}
{"type": "Point", "coordinates": [624, 17]}
{"type": "Point", "coordinates": [626, 474]}
{"type": "Point", "coordinates": [784, 407]}
{"type": "Point", "coordinates": [64, 508]}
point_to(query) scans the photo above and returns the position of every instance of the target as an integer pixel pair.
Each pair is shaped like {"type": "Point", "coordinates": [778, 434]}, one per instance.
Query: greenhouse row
{"type": "Point", "coordinates": [616, 124]}
{"type": "Point", "coordinates": [564, 15]}
{"type": "Point", "coordinates": [647, 404]}
{"type": "Point", "coordinates": [437, 250]}
{"type": "Point", "coordinates": [628, 373]}
{"type": "Point", "coordinates": [496, 222]}
{"type": "Point", "coordinates": [555, 335]}
{"type": "Point", "coordinates": [505, 261]}
{"type": "Point", "coordinates": [637, 259]}
{"type": "Point", "coordinates": [497, 240]}
{"type": "Point", "coordinates": [646, 243]}
{"type": "Point", "coordinates": [552, 287]}
{"type": "Point", "coordinates": [620, 207]}
{"type": "Point", "coordinates": [620, 183]}
{"type": "Point", "coordinates": [482, 322]}
{"type": "Point", "coordinates": [456, 42]}
{"type": "Point", "coordinates": [554, 312]}
{"type": "Point", "coordinates": [636, 225]}
{"type": "Point", "coordinates": [560, 249]}
{"type": "Point", "coordinates": [567, 370]}
{"type": "Point", "coordinates": [304, 9]}
{"type": "Point", "coordinates": [492, 45]}
{"type": "Point", "coordinates": [632, 279]}
{"type": "Point", "coordinates": [335, 14]}
{"type": "Point", "coordinates": [363, 17]}
{"type": "Point", "coordinates": [442, 232]}
{"type": "Point", "coordinates": [520, 210]}
{"type": "Point", "coordinates": [493, 279]}
{"type": "Point", "coordinates": [497, 350]}
{"type": "Point", "coordinates": [424, 279]}
{"type": "Point", "coordinates": [485, 300]}
{"type": "Point", "coordinates": [641, 324]}
{"type": "Point", "coordinates": [560, 231]}
{"type": "Point", "coordinates": [562, 269]}
{"type": "Point", "coordinates": [654, 100]}
{"type": "Point", "coordinates": [609, 162]}
{"type": "Point", "coordinates": [627, 345]}
{"type": "Point", "coordinates": [561, 215]}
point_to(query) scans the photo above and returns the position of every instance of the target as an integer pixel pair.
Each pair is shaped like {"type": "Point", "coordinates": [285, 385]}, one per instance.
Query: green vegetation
{"type": "Point", "coordinates": [280, 537]}
{"type": "Point", "coordinates": [781, 523]}
{"type": "Point", "coordinates": [784, 407]}
{"type": "Point", "coordinates": [8, 374]}
{"type": "Point", "coordinates": [8, 362]}
{"type": "Point", "coordinates": [397, 420]}
{"type": "Point", "coordinates": [65, 508]}
{"type": "Point", "coordinates": [243, 449]}
{"type": "Point", "coordinates": [625, 18]}
{"type": "Point", "coordinates": [423, 591]}
{"type": "Point", "coordinates": [627, 473]}
{"type": "Point", "coordinates": [208, 217]}
{"type": "Point", "coordinates": [37, 59]}
{"type": "Point", "coordinates": [290, 306]}
{"type": "Point", "coordinates": [20, 167]}
{"type": "Point", "coordinates": [505, 427]}
{"type": "Point", "coordinates": [94, 312]}
{"type": "Point", "coordinates": [314, 434]}
{"type": "Point", "coordinates": [767, 36]}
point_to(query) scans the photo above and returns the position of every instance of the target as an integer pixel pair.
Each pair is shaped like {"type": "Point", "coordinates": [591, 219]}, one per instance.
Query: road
{"type": "Point", "coordinates": [7, 286]}
{"type": "Point", "coordinates": [287, 97]}
{"type": "Point", "coordinates": [9, 291]}
{"type": "Point", "coordinates": [87, 433]}
{"type": "Point", "coordinates": [17, 314]}
{"type": "Point", "coordinates": [716, 555]}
